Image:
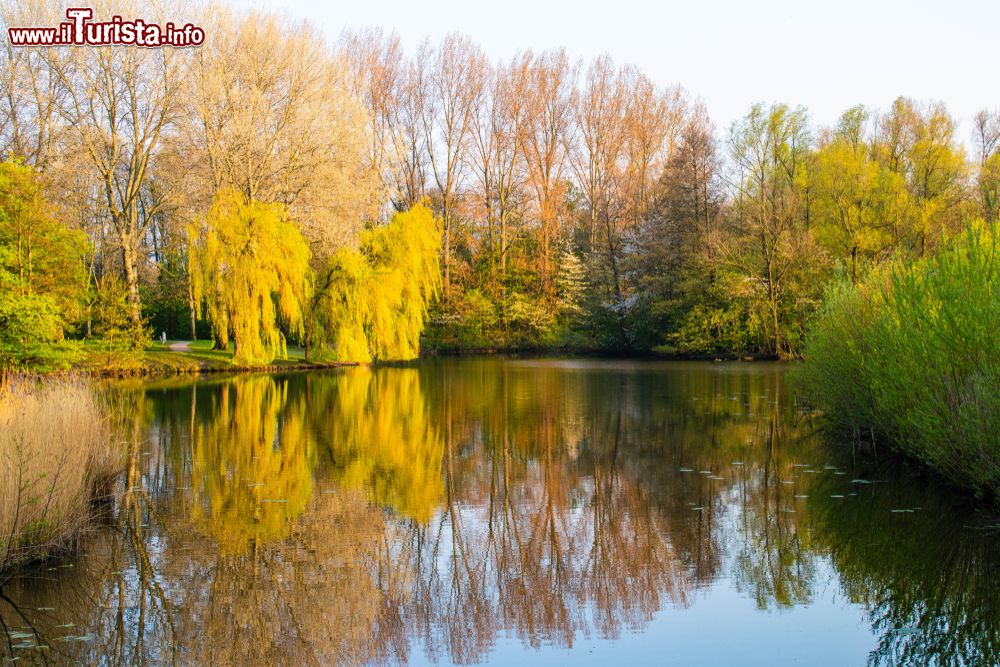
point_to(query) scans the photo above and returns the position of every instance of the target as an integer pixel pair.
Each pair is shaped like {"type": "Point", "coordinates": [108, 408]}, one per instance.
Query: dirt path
{"type": "Point", "coordinates": [182, 346]}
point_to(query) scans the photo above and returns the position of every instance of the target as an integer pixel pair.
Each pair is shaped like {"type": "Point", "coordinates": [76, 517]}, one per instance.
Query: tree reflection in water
{"type": "Point", "coordinates": [359, 516]}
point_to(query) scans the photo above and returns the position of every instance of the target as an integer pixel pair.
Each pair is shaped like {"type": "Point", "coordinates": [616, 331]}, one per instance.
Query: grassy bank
{"type": "Point", "coordinates": [176, 358]}
{"type": "Point", "coordinates": [912, 358]}
{"type": "Point", "coordinates": [57, 456]}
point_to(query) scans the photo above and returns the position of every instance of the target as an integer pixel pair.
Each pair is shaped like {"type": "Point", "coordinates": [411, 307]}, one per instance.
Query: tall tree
{"type": "Point", "coordinates": [250, 272]}
{"type": "Point", "coordinates": [120, 102]}
{"type": "Point", "coordinates": [770, 241]}
{"type": "Point", "coordinates": [548, 134]}
{"type": "Point", "coordinates": [452, 89]}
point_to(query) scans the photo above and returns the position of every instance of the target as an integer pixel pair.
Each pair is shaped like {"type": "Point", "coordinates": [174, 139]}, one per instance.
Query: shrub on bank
{"type": "Point", "coordinates": [912, 357]}
{"type": "Point", "coordinates": [56, 458]}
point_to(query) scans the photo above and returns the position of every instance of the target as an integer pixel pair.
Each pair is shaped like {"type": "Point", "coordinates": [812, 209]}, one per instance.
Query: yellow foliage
{"type": "Point", "coordinates": [383, 438]}
{"type": "Point", "coordinates": [376, 299]}
{"type": "Point", "coordinates": [251, 478]}
{"type": "Point", "coordinates": [249, 267]}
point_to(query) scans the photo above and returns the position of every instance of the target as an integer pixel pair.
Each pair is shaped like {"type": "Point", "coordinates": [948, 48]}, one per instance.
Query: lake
{"type": "Point", "coordinates": [512, 512]}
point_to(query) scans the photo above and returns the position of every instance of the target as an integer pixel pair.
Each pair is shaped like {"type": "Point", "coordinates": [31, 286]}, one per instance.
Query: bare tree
{"type": "Point", "coordinates": [451, 78]}
{"type": "Point", "coordinates": [987, 140]}
{"type": "Point", "coordinates": [120, 101]}
{"type": "Point", "coordinates": [497, 159]}
{"type": "Point", "coordinates": [378, 70]}
{"type": "Point", "coordinates": [548, 131]}
{"type": "Point", "coordinates": [600, 122]}
{"type": "Point", "coordinates": [276, 119]}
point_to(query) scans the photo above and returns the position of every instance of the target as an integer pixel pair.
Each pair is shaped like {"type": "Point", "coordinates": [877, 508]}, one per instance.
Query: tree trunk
{"type": "Point", "coordinates": [131, 280]}
{"type": "Point", "coordinates": [192, 311]}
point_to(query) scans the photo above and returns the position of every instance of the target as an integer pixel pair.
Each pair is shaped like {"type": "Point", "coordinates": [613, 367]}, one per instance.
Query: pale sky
{"type": "Point", "coordinates": [730, 53]}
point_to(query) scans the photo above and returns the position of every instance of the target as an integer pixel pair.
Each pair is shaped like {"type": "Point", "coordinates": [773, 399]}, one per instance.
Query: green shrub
{"type": "Point", "coordinates": [912, 357]}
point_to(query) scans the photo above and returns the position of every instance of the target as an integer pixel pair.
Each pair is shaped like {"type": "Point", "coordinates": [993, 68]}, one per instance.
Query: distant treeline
{"type": "Point", "coordinates": [578, 205]}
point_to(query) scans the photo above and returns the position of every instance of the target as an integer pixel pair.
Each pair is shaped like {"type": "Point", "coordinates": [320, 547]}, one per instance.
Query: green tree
{"type": "Point", "coordinates": [917, 142]}
{"type": "Point", "coordinates": [770, 244]}
{"type": "Point", "coordinates": [41, 268]}
{"type": "Point", "coordinates": [250, 276]}
{"type": "Point", "coordinates": [857, 202]}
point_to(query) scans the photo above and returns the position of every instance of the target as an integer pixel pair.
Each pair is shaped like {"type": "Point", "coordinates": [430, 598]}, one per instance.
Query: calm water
{"type": "Point", "coordinates": [511, 512]}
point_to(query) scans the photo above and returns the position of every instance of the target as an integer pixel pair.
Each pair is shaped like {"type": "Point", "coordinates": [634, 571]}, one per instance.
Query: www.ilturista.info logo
{"type": "Point", "coordinates": [79, 30]}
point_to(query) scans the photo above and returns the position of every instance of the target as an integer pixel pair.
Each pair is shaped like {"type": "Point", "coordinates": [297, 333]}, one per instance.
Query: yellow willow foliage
{"type": "Point", "coordinates": [384, 440]}
{"type": "Point", "coordinates": [376, 302]}
{"type": "Point", "coordinates": [252, 466]}
{"type": "Point", "coordinates": [250, 267]}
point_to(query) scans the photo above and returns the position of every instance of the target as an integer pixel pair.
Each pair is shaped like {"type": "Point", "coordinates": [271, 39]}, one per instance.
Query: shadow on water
{"type": "Point", "coordinates": [440, 511]}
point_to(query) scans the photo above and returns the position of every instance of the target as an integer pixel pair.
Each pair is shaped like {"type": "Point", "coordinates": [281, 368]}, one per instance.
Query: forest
{"type": "Point", "coordinates": [365, 203]}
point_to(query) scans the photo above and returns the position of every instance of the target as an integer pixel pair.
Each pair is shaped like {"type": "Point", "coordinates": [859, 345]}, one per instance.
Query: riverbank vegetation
{"type": "Point", "coordinates": [266, 199]}
{"type": "Point", "coordinates": [910, 356]}
{"type": "Point", "coordinates": [57, 459]}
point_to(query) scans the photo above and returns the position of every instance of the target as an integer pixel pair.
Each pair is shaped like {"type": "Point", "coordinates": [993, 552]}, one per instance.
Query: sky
{"type": "Point", "coordinates": [825, 56]}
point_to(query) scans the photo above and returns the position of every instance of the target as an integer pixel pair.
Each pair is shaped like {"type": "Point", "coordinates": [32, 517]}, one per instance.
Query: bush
{"type": "Point", "coordinates": [56, 456]}
{"type": "Point", "coordinates": [912, 357]}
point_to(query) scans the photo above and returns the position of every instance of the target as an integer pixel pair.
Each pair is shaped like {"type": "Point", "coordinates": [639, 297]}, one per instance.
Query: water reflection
{"type": "Point", "coordinates": [436, 512]}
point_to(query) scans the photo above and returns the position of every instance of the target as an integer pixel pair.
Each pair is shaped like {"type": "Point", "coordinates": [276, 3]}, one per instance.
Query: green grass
{"type": "Point", "coordinates": [159, 359]}
{"type": "Point", "coordinates": [912, 358]}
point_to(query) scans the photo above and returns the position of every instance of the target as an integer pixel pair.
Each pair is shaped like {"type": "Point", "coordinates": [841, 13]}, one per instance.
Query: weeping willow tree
{"type": "Point", "coordinates": [250, 276]}
{"type": "Point", "coordinates": [373, 301]}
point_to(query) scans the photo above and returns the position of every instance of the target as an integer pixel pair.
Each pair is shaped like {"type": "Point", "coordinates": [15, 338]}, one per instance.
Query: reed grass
{"type": "Point", "coordinates": [57, 457]}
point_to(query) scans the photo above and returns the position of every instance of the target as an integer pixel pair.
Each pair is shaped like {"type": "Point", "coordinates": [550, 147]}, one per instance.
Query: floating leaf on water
{"type": "Point", "coordinates": [687, 470]}
{"type": "Point", "coordinates": [829, 467]}
{"type": "Point", "coordinates": [787, 481]}
{"type": "Point", "coordinates": [788, 509]}
{"type": "Point", "coordinates": [67, 625]}
{"type": "Point", "coordinates": [836, 495]}
{"type": "Point", "coordinates": [737, 463]}
{"type": "Point", "coordinates": [801, 495]}
{"type": "Point", "coordinates": [840, 472]}
{"type": "Point", "coordinates": [800, 465]}
{"type": "Point", "coordinates": [860, 481]}
{"type": "Point", "coordinates": [705, 472]}
{"type": "Point", "coordinates": [46, 609]}
{"type": "Point", "coordinates": [697, 509]}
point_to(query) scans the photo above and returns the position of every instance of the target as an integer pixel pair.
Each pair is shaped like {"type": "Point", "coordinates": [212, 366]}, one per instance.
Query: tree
{"type": "Point", "coordinates": [120, 102]}
{"type": "Point", "coordinates": [276, 120]}
{"type": "Point", "coordinates": [452, 80]}
{"type": "Point", "coordinates": [42, 280]}
{"type": "Point", "coordinates": [31, 94]}
{"type": "Point", "coordinates": [770, 243]}
{"type": "Point", "coordinates": [250, 275]}
{"type": "Point", "coordinates": [40, 254]}
{"type": "Point", "coordinates": [917, 142]}
{"type": "Point", "coordinates": [857, 202]}
{"type": "Point", "coordinates": [987, 139]}
{"type": "Point", "coordinates": [378, 78]}
{"type": "Point", "coordinates": [374, 303]}
{"type": "Point", "coordinates": [674, 266]}
{"type": "Point", "coordinates": [547, 137]}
